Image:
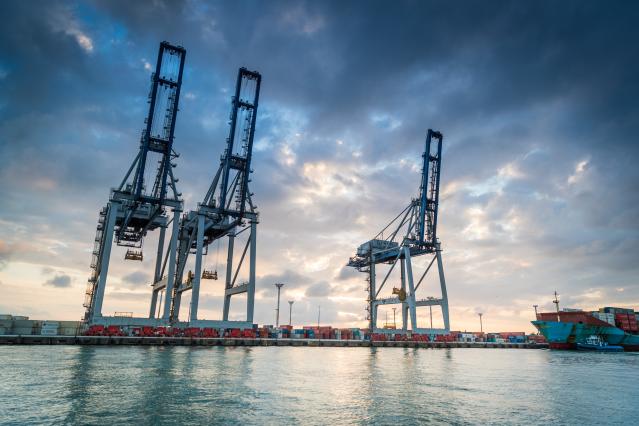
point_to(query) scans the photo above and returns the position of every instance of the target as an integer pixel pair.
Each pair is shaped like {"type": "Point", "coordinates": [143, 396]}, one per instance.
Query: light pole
{"type": "Point", "coordinates": [481, 325]}
{"type": "Point", "coordinates": [277, 310]}
{"type": "Point", "coordinates": [290, 311]}
{"type": "Point", "coordinates": [394, 323]}
{"type": "Point", "coordinates": [319, 311]}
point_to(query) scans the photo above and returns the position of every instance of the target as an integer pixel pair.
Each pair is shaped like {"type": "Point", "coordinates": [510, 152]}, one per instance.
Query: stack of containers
{"type": "Point", "coordinates": [605, 317]}
{"type": "Point", "coordinates": [627, 322]}
{"type": "Point", "coordinates": [284, 332]}
{"type": "Point", "coordinates": [325, 333]}
{"type": "Point", "coordinates": [49, 328]}
{"type": "Point", "coordinates": [234, 333]}
{"type": "Point", "coordinates": [346, 334]}
{"type": "Point", "coordinates": [248, 333]}
{"type": "Point", "coordinates": [399, 337]}
{"type": "Point", "coordinates": [6, 322]}
{"type": "Point", "coordinates": [509, 335]}
{"type": "Point", "coordinates": [537, 338]}
{"type": "Point", "coordinates": [378, 337]}
{"type": "Point", "coordinates": [22, 325]}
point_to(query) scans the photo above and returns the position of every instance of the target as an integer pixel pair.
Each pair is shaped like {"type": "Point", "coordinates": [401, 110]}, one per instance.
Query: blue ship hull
{"type": "Point", "coordinates": [566, 335]}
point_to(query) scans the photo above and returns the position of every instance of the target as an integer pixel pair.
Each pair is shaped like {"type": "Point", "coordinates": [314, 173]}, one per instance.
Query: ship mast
{"type": "Point", "coordinates": [556, 302]}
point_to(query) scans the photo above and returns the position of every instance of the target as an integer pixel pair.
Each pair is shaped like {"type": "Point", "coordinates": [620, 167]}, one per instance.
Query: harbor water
{"type": "Point", "coordinates": [307, 385]}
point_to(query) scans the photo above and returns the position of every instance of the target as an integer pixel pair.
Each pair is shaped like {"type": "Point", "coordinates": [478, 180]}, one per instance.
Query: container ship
{"type": "Point", "coordinates": [574, 328]}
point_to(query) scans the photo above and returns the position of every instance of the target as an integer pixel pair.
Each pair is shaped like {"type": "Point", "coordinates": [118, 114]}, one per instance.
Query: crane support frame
{"type": "Point", "coordinates": [412, 233]}
{"type": "Point", "coordinates": [217, 217]}
{"type": "Point", "coordinates": [132, 211]}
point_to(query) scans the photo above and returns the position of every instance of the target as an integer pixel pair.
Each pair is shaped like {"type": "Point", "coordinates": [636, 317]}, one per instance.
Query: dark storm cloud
{"type": "Point", "coordinates": [137, 278]}
{"type": "Point", "coordinates": [537, 103]}
{"type": "Point", "coordinates": [291, 279]}
{"type": "Point", "coordinates": [59, 281]}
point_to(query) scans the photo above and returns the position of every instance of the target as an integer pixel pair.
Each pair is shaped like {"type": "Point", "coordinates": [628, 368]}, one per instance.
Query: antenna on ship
{"type": "Point", "coordinates": [556, 302]}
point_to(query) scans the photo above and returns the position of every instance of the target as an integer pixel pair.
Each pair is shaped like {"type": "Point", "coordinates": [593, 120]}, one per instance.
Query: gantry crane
{"type": "Point", "coordinates": [226, 211]}
{"type": "Point", "coordinates": [410, 234]}
{"type": "Point", "coordinates": [140, 202]}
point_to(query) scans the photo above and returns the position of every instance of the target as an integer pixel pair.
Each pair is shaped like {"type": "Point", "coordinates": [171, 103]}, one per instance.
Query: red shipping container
{"type": "Point", "coordinates": [378, 337]}
{"type": "Point", "coordinates": [192, 332]}
{"type": "Point", "coordinates": [114, 330]}
{"type": "Point", "coordinates": [209, 332]}
{"type": "Point", "coordinates": [95, 330]}
{"type": "Point", "coordinates": [248, 333]}
{"type": "Point", "coordinates": [234, 333]}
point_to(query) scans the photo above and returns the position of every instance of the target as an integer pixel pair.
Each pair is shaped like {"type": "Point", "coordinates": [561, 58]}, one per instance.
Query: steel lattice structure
{"type": "Point", "coordinates": [411, 233]}
{"type": "Point", "coordinates": [148, 190]}
{"type": "Point", "coordinates": [226, 211]}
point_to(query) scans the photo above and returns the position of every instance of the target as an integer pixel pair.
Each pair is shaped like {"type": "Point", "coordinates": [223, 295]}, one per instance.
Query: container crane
{"type": "Point", "coordinates": [411, 233]}
{"type": "Point", "coordinates": [226, 211]}
{"type": "Point", "coordinates": [140, 203]}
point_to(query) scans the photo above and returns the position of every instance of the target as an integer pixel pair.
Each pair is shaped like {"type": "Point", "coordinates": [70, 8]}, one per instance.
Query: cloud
{"type": "Point", "coordinates": [5, 254]}
{"type": "Point", "coordinates": [137, 279]}
{"type": "Point", "coordinates": [59, 281]}
{"type": "Point", "coordinates": [540, 185]}
{"type": "Point", "coordinates": [321, 289]}
{"type": "Point", "coordinates": [347, 273]}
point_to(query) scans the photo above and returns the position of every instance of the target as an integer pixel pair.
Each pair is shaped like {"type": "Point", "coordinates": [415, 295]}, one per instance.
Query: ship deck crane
{"type": "Point", "coordinates": [411, 233]}
{"type": "Point", "coordinates": [140, 203]}
{"type": "Point", "coordinates": [226, 211]}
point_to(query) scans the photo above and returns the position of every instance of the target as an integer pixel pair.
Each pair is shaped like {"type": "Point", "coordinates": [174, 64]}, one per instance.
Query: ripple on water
{"type": "Point", "coordinates": [306, 385]}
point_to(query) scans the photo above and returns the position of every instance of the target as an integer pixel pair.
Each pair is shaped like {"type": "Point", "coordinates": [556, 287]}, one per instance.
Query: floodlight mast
{"type": "Point", "coordinates": [413, 233]}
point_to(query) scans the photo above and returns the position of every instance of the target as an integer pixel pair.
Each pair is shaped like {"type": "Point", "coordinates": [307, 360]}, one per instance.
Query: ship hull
{"type": "Point", "coordinates": [566, 335]}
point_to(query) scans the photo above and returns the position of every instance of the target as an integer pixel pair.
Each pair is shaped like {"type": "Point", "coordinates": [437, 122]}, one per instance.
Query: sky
{"type": "Point", "coordinates": [537, 102]}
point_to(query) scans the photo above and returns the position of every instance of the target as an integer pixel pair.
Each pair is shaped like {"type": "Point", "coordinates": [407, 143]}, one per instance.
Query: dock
{"type": "Point", "coordinates": [224, 341]}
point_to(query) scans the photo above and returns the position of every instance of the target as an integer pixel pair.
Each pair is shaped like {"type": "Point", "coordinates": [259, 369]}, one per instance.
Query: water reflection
{"type": "Point", "coordinates": [267, 385]}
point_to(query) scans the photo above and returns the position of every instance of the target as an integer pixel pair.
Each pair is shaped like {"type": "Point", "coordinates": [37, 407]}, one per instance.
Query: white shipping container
{"type": "Point", "coordinates": [602, 316]}
{"type": "Point", "coordinates": [67, 331]}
